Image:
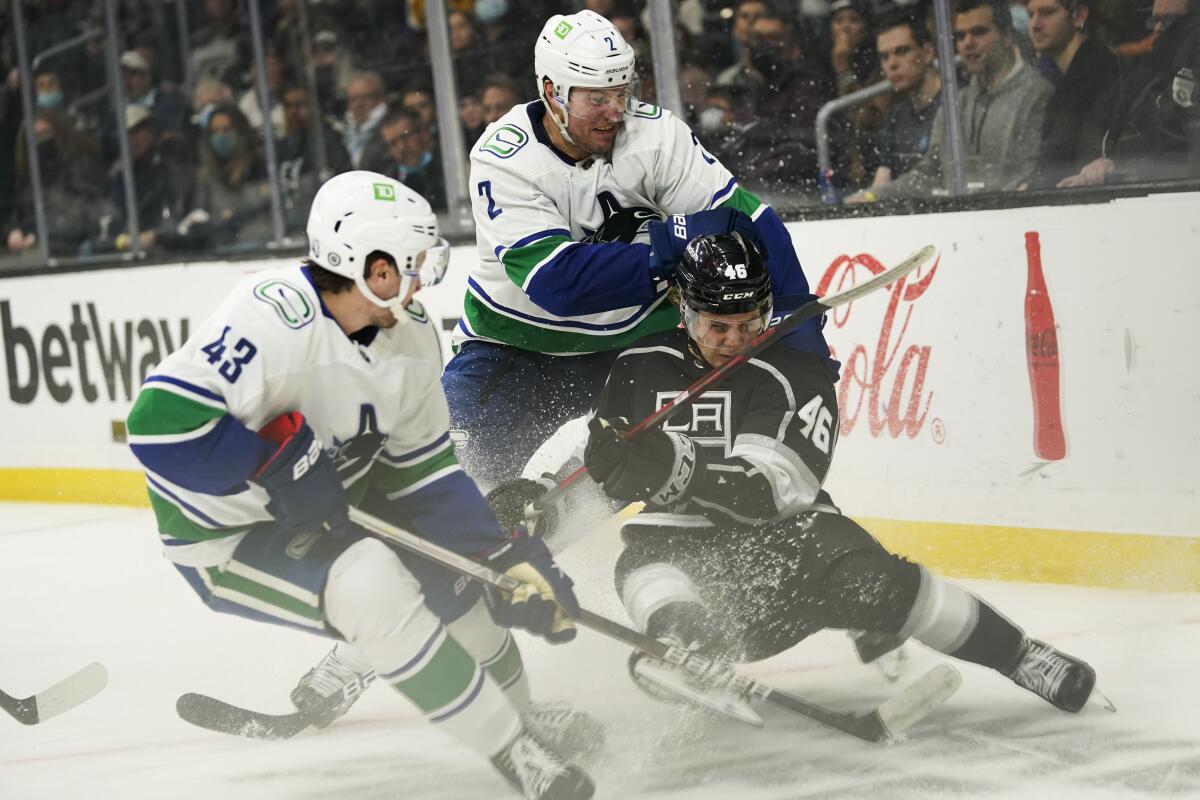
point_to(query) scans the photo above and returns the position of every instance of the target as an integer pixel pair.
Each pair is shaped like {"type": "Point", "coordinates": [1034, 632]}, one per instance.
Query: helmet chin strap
{"type": "Point", "coordinates": [561, 124]}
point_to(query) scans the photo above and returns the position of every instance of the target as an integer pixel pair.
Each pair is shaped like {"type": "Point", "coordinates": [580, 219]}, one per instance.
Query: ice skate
{"type": "Point", "coordinates": [330, 675]}
{"type": "Point", "coordinates": [1060, 679]}
{"type": "Point", "coordinates": [575, 735]}
{"type": "Point", "coordinates": [539, 773]}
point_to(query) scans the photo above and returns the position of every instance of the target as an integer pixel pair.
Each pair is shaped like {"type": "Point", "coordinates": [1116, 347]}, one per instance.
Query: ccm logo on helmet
{"type": "Point", "coordinates": [737, 295]}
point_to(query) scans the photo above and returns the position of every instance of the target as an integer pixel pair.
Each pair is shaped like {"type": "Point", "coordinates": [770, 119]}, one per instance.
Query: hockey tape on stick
{"type": "Point", "coordinates": [759, 343]}
{"type": "Point", "coordinates": [62, 696]}
{"type": "Point", "coordinates": [880, 724]}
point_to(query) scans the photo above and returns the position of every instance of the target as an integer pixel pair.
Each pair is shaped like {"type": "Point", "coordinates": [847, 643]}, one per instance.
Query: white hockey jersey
{"type": "Point", "coordinates": [374, 400]}
{"type": "Point", "coordinates": [546, 279]}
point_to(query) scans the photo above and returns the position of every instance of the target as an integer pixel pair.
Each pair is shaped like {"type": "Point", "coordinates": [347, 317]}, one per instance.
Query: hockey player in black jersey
{"type": "Point", "coordinates": [739, 551]}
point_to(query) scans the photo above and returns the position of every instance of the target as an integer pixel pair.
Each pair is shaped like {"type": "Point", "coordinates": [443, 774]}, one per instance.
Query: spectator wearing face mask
{"type": "Point", "coordinates": [232, 195]}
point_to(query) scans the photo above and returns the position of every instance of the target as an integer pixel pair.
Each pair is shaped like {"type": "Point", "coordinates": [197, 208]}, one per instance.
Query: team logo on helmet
{"type": "Point", "coordinates": [385, 192]}
{"type": "Point", "coordinates": [563, 29]}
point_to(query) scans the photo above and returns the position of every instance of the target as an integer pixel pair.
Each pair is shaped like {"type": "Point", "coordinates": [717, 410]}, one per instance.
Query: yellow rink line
{"type": "Point", "coordinates": [965, 550]}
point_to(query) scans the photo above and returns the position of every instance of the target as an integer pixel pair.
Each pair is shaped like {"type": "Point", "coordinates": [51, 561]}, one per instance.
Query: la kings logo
{"type": "Point", "coordinates": [707, 421]}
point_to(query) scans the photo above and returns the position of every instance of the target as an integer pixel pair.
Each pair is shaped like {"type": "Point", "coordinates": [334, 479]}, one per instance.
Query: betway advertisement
{"type": "Point", "coordinates": [1038, 371]}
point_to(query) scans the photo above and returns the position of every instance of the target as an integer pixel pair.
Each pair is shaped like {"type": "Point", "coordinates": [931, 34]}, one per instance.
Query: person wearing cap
{"type": "Point", "coordinates": [583, 201]}
{"type": "Point", "coordinates": [169, 110]}
{"type": "Point", "coordinates": [163, 195]}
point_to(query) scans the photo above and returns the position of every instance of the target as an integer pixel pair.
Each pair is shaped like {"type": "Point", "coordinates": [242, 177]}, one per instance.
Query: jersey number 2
{"type": "Point", "coordinates": [485, 190]}
{"type": "Point", "coordinates": [231, 368]}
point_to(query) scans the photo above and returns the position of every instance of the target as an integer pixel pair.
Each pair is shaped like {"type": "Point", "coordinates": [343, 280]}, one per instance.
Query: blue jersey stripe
{"type": "Point", "coordinates": [191, 387]}
{"type": "Point", "coordinates": [177, 500]}
{"type": "Point", "coordinates": [420, 451]}
{"type": "Point", "coordinates": [470, 698]}
{"type": "Point", "coordinates": [533, 237]}
{"type": "Point", "coordinates": [628, 322]}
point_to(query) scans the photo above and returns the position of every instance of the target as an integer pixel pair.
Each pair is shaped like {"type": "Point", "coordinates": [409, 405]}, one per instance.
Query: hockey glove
{"type": "Point", "coordinates": [301, 481]}
{"type": "Point", "coordinates": [509, 501]}
{"type": "Point", "coordinates": [658, 467]}
{"type": "Point", "coordinates": [545, 601]}
{"type": "Point", "coordinates": [670, 238]}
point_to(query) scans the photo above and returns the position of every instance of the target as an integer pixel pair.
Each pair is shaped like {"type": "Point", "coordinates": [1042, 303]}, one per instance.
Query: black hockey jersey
{"type": "Point", "coordinates": [769, 429]}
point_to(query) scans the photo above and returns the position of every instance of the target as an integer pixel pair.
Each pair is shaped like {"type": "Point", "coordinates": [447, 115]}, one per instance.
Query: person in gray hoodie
{"type": "Point", "coordinates": [1001, 110]}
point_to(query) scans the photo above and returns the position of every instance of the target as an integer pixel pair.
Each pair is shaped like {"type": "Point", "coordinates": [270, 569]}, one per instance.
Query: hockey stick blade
{"type": "Point", "coordinates": [62, 696]}
{"type": "Point", "coordinates": [813, 308]}
{"type": "Point", "coordinates": [217, 715]}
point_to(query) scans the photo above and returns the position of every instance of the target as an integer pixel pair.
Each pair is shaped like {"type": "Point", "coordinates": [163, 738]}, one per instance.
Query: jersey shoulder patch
{"type": "Point", "coordinates": [416, 311]}
{"type": "Point", "coordinates": [647, 111]}
{"type": "Point", "coordinates": [291, 304]}
{"type": "Point", "coordinates": [505, 141]}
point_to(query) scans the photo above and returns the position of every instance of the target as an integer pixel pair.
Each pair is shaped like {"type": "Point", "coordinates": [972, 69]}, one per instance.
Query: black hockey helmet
{"type": "Point", "coordinates": [719, 276]}
{"type": "Point", "coordinates": [723, 274]}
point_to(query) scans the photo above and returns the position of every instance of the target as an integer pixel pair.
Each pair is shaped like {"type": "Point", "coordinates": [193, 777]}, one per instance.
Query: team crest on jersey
{"type": "Point", "coordinates": [707, 421]}
{"type": "Point", "coordinates": [290, 303]}
{"type": "Point", "coordinates": [354, 456]}
{"type": "Point", "coordinates": [416, 312]}
{"type": "Point", "coordinates": [620, 224]}
{"type": "Point", "coordinates": [505, 141]}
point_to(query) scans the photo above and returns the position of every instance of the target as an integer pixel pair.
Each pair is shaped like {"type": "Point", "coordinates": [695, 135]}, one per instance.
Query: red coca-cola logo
{"type": "Point", "coordinates": [889, 379]}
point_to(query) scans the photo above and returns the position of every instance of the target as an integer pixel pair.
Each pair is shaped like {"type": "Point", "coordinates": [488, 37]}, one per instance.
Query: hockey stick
{"type": "Point", "coordinates": [62, 696]}
{"type": "Point", "coordinates": [889, 719]}
{"type": "Point", "coordinates": [813, 308]}
{"type": "Point", "coordinates": [217, 715]}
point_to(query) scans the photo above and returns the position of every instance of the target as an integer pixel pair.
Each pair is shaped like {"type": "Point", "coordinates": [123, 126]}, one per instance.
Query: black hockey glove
{"type": "Point", "coordinates": [509, 501]}
{"type": "Point", "coordinates": [545, 602]}
{"type": "Point", "coordinates": [660, 468]}
{"type": "Point", "coordinates": [301, 481]}
{"type": "Point", "coordinates": [670, 238]}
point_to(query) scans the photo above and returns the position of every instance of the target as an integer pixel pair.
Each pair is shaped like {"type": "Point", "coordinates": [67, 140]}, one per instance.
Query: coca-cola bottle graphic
{"type": "Point", "coordinates": [1041, 350]}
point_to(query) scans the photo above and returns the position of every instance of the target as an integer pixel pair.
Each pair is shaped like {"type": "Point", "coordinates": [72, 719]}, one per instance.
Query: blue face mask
{"type": "Point", "coordinates": [490, 10]}
{"type": "Point", "coordinates": [223, 144]}
{"type": "Point", "coordinates": [51, 100]}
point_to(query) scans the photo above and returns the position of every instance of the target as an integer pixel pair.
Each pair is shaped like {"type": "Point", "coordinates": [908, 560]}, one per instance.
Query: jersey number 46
{"type": "Point", "coordinates": [817, 421]}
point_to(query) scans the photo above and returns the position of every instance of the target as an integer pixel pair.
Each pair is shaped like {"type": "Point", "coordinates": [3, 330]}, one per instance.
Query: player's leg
{"type": "Point", "coordinates": [506, 401]}
{"type": "Point", "coordinates": [570, 732]}
{"type": "Point", "coordinates": [359, 590]}
{"type": "Point", "coordinates": [842, 578]}
{"type": "Point", "coordinates": [376, 604]}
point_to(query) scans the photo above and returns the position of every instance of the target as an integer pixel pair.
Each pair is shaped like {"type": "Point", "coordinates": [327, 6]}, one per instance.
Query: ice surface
{"type": "Point", "coordinates": [87, 583]}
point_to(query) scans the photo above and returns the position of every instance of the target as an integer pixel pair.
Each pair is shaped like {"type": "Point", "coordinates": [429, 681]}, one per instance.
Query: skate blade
{"type": "Point", "coordinates": [1101, 696]}
{"type": "Point", "coordinates": [919, 699]}
{"type": "Point", "coordinates": [669, 681]}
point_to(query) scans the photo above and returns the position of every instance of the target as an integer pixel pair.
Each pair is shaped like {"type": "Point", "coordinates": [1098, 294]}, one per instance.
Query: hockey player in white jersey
{"type": "Point", "coordinates": [314, 387]}
{"type": "Point", "coordinates": [583, 202]}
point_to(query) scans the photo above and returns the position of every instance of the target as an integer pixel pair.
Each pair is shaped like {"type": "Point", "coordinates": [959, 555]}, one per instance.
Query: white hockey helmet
{"type": "Point", "coordinates": [356, 213]}
{"type": "Point", "coordinates": [581, 50]}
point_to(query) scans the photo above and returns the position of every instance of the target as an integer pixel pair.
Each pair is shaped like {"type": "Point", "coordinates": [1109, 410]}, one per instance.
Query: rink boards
{"type": "Point", "coordinates": [941, 453]}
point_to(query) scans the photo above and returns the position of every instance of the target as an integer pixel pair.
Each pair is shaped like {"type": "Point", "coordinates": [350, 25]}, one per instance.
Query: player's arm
{"type": "Point", "coordinates": [183, 427]}
{"type": "Point", "coordinates": [778, 461]}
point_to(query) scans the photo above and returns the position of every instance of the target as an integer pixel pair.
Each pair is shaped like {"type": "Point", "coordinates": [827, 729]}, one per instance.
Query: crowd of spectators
{"type": "Point", "coordinates": [1053, 93]}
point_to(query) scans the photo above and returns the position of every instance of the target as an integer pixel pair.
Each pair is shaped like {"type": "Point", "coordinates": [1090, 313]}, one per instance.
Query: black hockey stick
{"type": "Point", "coordinates": [891, 718]}
{"type": "Point", "coordinates": [62, 696]}
{"type": "Point", "coordinates": [217, 715]}
{"type": "Point", "coordinates": [813, 308]}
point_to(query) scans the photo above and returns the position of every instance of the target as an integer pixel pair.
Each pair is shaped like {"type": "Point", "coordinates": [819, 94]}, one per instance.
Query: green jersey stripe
{"type": "Point", "coordinates": [506, 666]}
{"type": "Point", "coordinates": [743, 201]}
{"type": "Point", "coordinates": [174, 523]}
{"type": "Point", "coordinates": [158, 412]}
{"type": "Point", "coordinates": [487, 323]}
{"type": "Point", "coordinates": [394, 479]}
{"type": "Point", "coordinates": [447, 676]}
{"type": "Point", "coordinates": [520, 261]}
